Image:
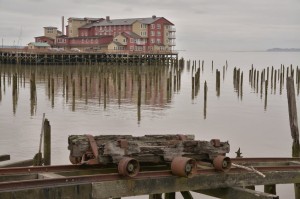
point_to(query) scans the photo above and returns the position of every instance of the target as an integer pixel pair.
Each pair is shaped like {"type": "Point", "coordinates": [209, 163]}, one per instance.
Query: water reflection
{"type": "Point", "coordinates": [140, 85]}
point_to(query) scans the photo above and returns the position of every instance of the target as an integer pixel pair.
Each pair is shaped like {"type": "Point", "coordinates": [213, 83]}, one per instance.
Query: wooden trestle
{"type": "Point", "coordinates": [84, 58]}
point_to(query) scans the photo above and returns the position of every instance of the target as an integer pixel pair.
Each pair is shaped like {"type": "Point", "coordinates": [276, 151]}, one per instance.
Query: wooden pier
{"type": "Point", "coordinates": [47, 57]}
{"type": "Point", "coordinates": [100, 182]}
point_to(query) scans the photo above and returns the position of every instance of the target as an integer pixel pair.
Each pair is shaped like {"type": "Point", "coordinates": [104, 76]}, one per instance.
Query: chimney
{"type": "Point", "coordinates": [107, 18]}
{"type": "Point", "coordinates": [153, 16]}
{"type": "Point", "coordinates": [62, 25]}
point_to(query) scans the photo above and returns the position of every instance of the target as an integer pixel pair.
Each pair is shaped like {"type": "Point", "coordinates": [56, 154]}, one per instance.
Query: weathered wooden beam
{"type": "Point", "coordinates": [132, 187]}
{"type": "Point", "coordinates": [47, 143]}
{"type": "Point", "coordinates": [237, 192]}
{"type": "Point", "coordinates": [4, 157]}
{"type": "Point", "coordinates": [291, 95]}
{"type": "Point", "coordinates": [292, 109]}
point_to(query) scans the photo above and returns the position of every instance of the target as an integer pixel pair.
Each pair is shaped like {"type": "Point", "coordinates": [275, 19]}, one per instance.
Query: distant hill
{"type": "Point", "coordinates": [284, 50]}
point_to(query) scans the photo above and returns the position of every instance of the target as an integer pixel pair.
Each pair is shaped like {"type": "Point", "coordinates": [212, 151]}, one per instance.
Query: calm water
{"type": "Point", "coordinates": [245, 118]}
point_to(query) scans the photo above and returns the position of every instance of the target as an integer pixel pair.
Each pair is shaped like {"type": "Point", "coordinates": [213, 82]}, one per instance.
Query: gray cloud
{"type": "Point", "coordinates": [200, 24]}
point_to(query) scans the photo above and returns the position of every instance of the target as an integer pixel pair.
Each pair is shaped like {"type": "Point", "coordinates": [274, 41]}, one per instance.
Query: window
{"type": "Point", "coordinates": [131, 40]}
{"type": "Point", "coordinates": [158, 33]}
{"type": "Point", "coordinates": [152, 33]}
{"type": "Point", "coordinates": [158, 41]}
{"type": "Point", "coordinates": [131, 47]}
{"type": "Point", "coordinates": [158, 26]}
{"type": "Point", "coordinates": [152, 26]}
{"type": "Point", "coordinates": [152, 41]}
{"type": "Point", "coordinates": [124, 40]}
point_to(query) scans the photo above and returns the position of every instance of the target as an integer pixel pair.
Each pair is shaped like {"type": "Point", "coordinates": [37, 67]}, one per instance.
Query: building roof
{"type": "Point", "coordinates": [45, 37]}
{"type": "Point", "coordinates": [76, 18]}
{"type": "Point", "coordinates": [118, 43]}
{"type": "Point", "coordinates": [117, 22]}
{"type": "Point", "coordinates": [51, 27]}
{"type": "Point", "coordinates": [131, 35]}
{"type": "Point", "coordinates": [61, 36]}
{"type": "Point", "coordinates": [91, 37]}
{"type": "Point", "coordinates": [39, 44]}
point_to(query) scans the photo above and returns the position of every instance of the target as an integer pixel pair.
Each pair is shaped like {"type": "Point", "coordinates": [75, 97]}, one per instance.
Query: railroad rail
{"type": "Point", "coordinates": [97, 181]}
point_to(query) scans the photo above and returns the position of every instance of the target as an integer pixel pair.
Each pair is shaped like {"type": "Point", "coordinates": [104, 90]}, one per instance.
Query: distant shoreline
{"type": "Point", "coordinates": [283, 50]}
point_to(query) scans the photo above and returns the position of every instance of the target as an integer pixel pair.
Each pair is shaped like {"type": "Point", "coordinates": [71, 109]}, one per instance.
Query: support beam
{"type": "Point", "coordinates": [4, 157]}
{"type": "Point", "coordinates": [186, 195]}
{"type": "Point", "coordinates": [155, 196]}
{"type": "Point", "coordinates": [237, 192]}
{"type": "Point", "coordinates": [171, 195]}
{"type": "Point", "coordinates": [270, 188]}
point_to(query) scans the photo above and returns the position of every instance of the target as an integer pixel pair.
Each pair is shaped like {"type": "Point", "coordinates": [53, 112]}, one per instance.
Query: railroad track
{"type": "Point", "coordinates": [110, 174]}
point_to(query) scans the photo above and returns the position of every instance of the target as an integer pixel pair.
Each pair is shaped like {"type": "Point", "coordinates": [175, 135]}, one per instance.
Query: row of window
{"type": "Point", "coordinates": [158, 26]}
{"type": "Point", "coordinates": [152, 33]}
{"type": "Point", "coordinates": [59, 40]}
{"type": "Point", "coordinates": [120, 27]}
{"type": "Point", "coordinates": [85, 41]}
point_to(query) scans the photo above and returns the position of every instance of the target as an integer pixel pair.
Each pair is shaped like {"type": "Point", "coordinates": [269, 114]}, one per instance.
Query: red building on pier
{"type": "Point", "coordinates": [133, 34]}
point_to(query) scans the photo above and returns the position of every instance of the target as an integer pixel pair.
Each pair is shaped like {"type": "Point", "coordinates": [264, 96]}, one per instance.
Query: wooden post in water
{"type": "Point", "coordinates": [0, 89]}
{"type": "Point", "coordinates": [241, 85]}
{"type": "Point", "coordinates": [73, 95]}
{"type": "Point", "coordinates": [293, 124]}
{"type": "Point", "coordinates": [266, 94]}
{"type": "Point", "coordinates": [205, 98]}
{"type": "Point", "coordinates": [47, 142]}
{"type": "Point", "coordinates": [52, 92]}
{"type": "Point", "coordinates": [257, 80]}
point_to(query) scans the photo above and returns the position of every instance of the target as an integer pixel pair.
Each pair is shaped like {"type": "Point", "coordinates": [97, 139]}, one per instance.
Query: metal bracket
{"type": "Point", "coordinates": [91, 157]}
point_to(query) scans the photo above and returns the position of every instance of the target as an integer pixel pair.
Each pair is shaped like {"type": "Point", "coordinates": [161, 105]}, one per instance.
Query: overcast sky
{"type": "Point", "coordinates": [202, 25]}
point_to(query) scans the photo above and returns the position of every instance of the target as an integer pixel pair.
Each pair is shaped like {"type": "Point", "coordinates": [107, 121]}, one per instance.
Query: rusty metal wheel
{"type": "Point", "coordinates": [75, 160]}
{"type": "Point", "coordinates": [222, 163]}
{"type": "Point", "coordinates": [183, 166]}
{"type": "Point", "coordinates": [128, 167]}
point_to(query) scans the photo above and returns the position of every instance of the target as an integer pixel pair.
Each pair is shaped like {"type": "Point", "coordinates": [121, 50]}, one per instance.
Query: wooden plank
{"type": "Point", "coordinates": [237, 192]}
{"type": "Point", "coordinates": [133, 187]}
{"type": "Point", "coordinates": [49, 175]}
{"type": "Point", "coordinates": [4, 157]}
{"type": "Point", "coordinates": [7, 178]}
{"type": "Point", "coordinates": [63, 192]}
{"type": "Point", "coordinates": [23, 163]}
